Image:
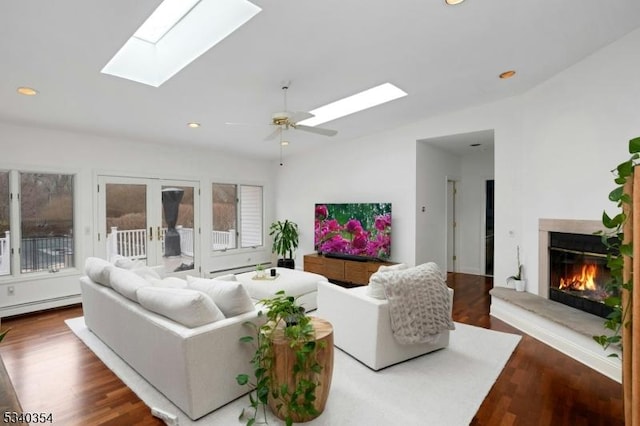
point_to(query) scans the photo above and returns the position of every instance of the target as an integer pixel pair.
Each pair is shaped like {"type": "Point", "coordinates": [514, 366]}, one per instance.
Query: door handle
{"type": "Point", "coordinates": [151, 233]}
{"type": "Point", "coordinates": [159, 237]}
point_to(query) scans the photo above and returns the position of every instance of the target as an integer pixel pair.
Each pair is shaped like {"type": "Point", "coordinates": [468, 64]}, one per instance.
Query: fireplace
{"type": "Point", "coordinates": [578, 272]}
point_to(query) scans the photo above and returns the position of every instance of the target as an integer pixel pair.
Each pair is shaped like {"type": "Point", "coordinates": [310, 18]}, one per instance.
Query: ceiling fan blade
{"type": "Point", "coordinates": [299, 116]}
{"type": "Point", "coordinates": [274, 134]}
{"type": "Point", "coordinates": [318, 130]}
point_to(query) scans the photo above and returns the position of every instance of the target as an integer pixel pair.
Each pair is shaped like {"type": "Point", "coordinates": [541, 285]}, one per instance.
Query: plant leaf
{"type": "Point", "coordinates": [616, 194]}
{"type": "Point", "coordinates": [634, 145]}
{"type": "Point", "coordinates": [242, 379]}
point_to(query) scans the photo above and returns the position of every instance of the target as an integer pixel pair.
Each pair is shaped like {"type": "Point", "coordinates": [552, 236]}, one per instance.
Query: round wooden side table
{"type": "Point", "coordinates": [284, 358]}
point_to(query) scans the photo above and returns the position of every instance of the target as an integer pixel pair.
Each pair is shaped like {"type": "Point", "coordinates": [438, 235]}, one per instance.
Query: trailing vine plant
{"type": "Point", "coordinates": [283, 312]}
{"type": "Point", "coordinates": [617, 250]}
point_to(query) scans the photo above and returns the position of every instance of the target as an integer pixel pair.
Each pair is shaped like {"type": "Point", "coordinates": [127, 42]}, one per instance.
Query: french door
{"type": "Point", "coordinates": [153, 221]}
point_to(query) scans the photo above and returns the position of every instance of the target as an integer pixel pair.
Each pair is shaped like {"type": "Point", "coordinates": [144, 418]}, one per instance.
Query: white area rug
{"type": "Point", "coordinates": [442, 388]}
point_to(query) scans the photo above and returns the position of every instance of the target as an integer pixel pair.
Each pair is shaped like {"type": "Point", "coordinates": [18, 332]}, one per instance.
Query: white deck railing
{"type": "Point", "coordinates": [222, 240]}
{"type": "Point", "coordinates": [5, 254]}
{"type": "Point", "coordinates": [132, 243]}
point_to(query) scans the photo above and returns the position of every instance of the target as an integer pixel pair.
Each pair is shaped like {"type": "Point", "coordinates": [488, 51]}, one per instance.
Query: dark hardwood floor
{"type": "Point", "coordinates": [53, 372]}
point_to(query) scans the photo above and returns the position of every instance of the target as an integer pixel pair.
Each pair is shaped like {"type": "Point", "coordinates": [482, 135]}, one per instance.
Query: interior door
{"type": "Point", "coordinates": [451, 226]}
{"type": "Point", "coordinates": [149, 220]}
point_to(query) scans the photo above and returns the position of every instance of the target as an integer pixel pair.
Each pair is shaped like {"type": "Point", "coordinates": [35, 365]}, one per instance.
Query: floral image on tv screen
{"type": "Point", "coordinates": [357, 229]}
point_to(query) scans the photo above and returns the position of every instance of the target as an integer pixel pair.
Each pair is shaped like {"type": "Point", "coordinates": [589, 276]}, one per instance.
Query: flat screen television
{"type": "Point", "coordinates": [357, 231]}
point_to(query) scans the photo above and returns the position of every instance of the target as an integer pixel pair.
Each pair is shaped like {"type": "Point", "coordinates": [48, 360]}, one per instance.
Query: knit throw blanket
{"type": "Point", "coordinates": [418, 303]}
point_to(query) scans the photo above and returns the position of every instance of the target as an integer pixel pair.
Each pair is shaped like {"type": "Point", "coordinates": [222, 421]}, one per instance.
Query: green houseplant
{"type": "Point", "coordinates": [295, 399]}
{"type": "Point", "coordinates": [518, 278]}
{"type": "Point", "coordinates": [285, 241]}
{"type": "Point", "coordinates": [618, 248]}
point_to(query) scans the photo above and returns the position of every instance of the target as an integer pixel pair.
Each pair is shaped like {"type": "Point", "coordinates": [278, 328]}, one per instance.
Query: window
{"type": "Point", "coordinates": [46, 222]}
{"type": "Point", "coordinates": [5, 240]}
{"type": "Point", "coordinates": [250, 216]}
{"type": "Point", "coordinates": [237, 215]}
{"type": "Point", "coordinates": [36, 222]}
{"type": "Point", "coordinates": [225, 214]}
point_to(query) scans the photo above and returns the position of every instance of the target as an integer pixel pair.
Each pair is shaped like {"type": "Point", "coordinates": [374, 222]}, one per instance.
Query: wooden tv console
{"type": "Point", "coordinates": [348, 271]}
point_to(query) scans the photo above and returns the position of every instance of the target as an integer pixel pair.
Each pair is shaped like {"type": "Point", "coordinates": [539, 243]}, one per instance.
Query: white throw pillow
{"type": "Point", "coordinates": [375, 288]}
{"type": "Point", "coordinates": [230, 296]}
{"type": "Point", "coordinates": [98, 270]}
{"type": "Point", "coordinates": [146, 272]}
{"type": "Point", "coordinates": [169, 282]}
{"type": "Point", "coordinates": [126, 282]}
{"type": "Point", "coordinates": [123, 262]}
{"type": "Point", "coordinates": [190, 308]}
{"type": "Point", "coordinates": [228, 277]}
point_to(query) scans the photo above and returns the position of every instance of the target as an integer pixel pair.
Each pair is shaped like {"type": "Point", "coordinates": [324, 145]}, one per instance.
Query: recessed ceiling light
{"type": "Point", "coordinates": [284, 143]}
{"type": "Point", "coordinates": [453, 2]}
{"type": "Point", "coordinates": [507, 74]}
{"type": "Point", "coordinates": [185, 29]}
{"type": "Point", "coordinates": [193, 125]}
{"type": "Point", "coordinates": [27, 91]}
{"type": "Point", "coordinates": [360, 101]}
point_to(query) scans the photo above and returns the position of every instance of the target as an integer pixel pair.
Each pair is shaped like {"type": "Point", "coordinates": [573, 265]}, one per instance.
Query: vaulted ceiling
{"type": "Point", "coordinates": [444, 57]}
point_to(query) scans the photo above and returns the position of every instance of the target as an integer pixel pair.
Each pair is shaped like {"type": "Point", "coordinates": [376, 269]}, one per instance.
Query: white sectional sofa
{"type": "Point", "coordinates": [193, 366]}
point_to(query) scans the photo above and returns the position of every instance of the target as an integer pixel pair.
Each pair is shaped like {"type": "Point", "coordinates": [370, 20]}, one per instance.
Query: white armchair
{"type": "Point", "coordinates": [362, 326]}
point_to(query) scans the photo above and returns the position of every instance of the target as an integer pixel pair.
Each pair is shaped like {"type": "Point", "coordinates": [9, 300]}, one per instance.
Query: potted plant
{"type": "Point", "coordinates": [287, 376]}
{"type": "Point", "coordinates": [518, 279]}
{"type": "Point", "coordinates": [285, 241]}
{"type": "Point", "coordinates": [259, 271]}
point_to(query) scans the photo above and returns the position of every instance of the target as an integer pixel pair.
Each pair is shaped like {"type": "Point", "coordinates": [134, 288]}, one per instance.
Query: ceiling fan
{"type": "Point", "coordinates": [285, 120]}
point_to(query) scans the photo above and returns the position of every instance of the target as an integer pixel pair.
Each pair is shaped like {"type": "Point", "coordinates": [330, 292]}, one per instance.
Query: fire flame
{"type": "Point", "coordinates": [585, 280]}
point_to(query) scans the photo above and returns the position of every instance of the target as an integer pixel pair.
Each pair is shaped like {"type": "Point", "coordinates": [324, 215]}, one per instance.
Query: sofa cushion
{"type": "Point", "coordinates": [190, 308]}
{"type": "Point", "coordinates": [126, 282]}
{"type": "Point", "coordinates": [169, 282]}
{"type": "Point", "coordinates": [97, 270]}
{"type": "Point", "coordinates": [230, 296]}
{"type": "Point", "coordinates": [376, 282]}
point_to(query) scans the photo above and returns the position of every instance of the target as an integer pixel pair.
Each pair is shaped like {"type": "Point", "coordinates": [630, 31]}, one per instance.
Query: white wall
{"type": "Point", "coordinates": [433, 167]}
{"type": "Point", "coordinates": [380, 170]}
{"type": "Point", "coordinates": [35, 149]}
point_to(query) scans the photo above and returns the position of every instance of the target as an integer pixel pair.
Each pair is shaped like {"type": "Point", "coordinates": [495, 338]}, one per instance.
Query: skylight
{"type": "Point", "coordinates": [175, 34]}
{"type": "Point", "coordinates": [166, 15]}
{"type": "Point", "coordinates": [360, 101]}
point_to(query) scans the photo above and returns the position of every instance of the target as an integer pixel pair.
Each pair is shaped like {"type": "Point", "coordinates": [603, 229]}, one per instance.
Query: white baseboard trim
{"type": "Point", "coordinates": [578, 346]}
{"type": "Point", "coordinates": [26, 308]}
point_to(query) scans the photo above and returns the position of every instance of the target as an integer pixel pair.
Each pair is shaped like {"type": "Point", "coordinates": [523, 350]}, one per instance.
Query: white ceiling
{"type": "Point", "coordinates": [445, 57]}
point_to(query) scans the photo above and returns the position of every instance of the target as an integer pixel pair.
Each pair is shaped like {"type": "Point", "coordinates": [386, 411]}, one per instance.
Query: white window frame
{"type": "Point", "coordinates": [243, 208]}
